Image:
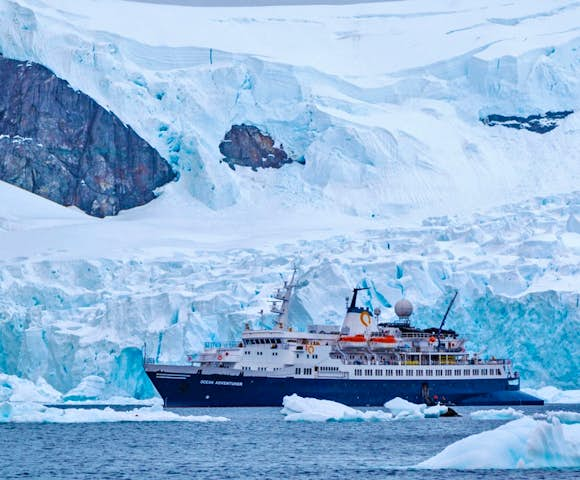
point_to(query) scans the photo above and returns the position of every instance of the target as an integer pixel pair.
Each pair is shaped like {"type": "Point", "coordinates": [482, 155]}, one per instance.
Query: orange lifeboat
{"type": "Point", "coordinates": [352, 341]}
{"type": "Point", "coordinates": [387, 339]}
{"type": "Point", "coordinates": [384, 342]}
{"type": "Point", "coordinates": [352, 338]}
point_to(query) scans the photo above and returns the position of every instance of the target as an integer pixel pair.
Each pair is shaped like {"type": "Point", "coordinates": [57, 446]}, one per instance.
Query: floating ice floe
{"type": "Point", "coordinates": [28, 412]}
{"type": "Point", "coordinates": [562, 416]}
{"type": "Point", "coordinates": [401, 408]}
{"type": "Point", "coordinates": [522, 443]}
{"type": "Point", "coordinates": [299, 409]}
{"type": "Point", "coordinates": [504, 414]}
{"type": "Point", "coordinates": [555, 395]}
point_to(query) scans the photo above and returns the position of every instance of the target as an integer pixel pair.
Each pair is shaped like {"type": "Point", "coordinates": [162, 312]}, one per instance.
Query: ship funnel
{"type": "Point", "coordinates": [358, 321]}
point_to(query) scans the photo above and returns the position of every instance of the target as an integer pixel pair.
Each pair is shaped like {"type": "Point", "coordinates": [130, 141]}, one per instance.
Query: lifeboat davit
{"type": "Point", "coordinates": [352, 341]}
{"type": "Point", "coordinates": [383, 343]}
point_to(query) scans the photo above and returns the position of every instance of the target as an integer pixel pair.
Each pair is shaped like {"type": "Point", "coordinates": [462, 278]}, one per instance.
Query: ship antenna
{"type": "Point", "coordinates": [445, 318]}
{"type": "Point", "coordinates": [284, 295]}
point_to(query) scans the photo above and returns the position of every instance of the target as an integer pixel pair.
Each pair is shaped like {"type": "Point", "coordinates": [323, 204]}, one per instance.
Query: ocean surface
{"type": "Point", "coordinates": [256, 444]}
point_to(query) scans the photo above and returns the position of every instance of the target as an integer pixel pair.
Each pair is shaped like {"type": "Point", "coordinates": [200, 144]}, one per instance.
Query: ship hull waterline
{"type": "Point", "coordinates": [215, 390]}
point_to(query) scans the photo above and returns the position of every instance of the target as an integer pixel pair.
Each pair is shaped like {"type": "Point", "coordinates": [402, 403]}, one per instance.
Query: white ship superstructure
{"type": "Point", "coordinates": [364, 355]}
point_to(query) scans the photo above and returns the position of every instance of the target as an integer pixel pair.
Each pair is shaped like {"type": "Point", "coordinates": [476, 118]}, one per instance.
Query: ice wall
{"type": "Point", "coordinates": [64, 319]}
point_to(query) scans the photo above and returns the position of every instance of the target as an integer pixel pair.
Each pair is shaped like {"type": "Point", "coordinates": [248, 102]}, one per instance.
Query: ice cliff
{"type": "Point", "coordinates": [404, 189]}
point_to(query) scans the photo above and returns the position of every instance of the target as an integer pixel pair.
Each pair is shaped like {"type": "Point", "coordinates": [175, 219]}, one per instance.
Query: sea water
{"type": "Point", "coordinates": [256, 444]}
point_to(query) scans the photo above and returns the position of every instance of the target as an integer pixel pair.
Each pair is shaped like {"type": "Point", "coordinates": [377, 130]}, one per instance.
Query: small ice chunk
{"type": "Point", "coordinates": [402, 408]}
{"type": "Point", "coordinates": [435, 411]}
{"type": "Point", "coordinates": [505, 414]}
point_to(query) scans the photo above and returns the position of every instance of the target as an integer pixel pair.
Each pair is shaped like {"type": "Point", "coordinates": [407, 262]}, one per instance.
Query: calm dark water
{"type": "Point", "coordinates": [256, 444]}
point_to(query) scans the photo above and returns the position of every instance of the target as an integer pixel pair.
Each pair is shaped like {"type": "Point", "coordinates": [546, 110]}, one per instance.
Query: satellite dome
{"type": "Point", "coordinates": [403, 308]}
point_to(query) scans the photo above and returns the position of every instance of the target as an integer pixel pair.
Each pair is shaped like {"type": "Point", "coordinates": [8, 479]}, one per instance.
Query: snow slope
{"type": "Point", "coordinates": [388, 121]}
{"type": "Point", "coordinates": [386, 115]}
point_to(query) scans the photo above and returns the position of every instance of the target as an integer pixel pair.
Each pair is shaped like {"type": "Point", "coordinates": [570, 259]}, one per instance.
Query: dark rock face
{"type": "Point", "coordinates": [247, 146]}
{"type": "Point", "coordinates": [60, 144]}
{"type": "Point", "coordinates": [534, 123]}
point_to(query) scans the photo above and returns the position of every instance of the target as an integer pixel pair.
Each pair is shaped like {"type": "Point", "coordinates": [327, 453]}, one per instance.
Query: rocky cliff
{"type": "Point", "coordinates": [247, 146]}
{"type": "Point", "coordinates": [60, 144]}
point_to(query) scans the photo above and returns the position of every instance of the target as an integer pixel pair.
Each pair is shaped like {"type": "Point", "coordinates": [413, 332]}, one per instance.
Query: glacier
{"type": "Point", "coordinates": [403, 189]}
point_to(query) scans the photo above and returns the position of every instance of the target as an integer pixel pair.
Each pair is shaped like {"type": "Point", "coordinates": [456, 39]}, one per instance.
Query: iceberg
{"type": "Point", "coordinates": [522, 443]}
{"type": "Point", "coordinates": [299, 409]}
{"type": "Point", "coordinates": [27, 412]}
{"type": "Point", "coordinates": [504, 414]}
{"type": "Point", "coordinates": [555, 395]}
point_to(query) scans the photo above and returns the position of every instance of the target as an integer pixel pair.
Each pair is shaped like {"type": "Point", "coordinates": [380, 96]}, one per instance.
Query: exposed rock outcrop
{"type": "Point", "coordinates": [60, 144]}
{"type": "Point", "coordinates": [534, 123]}
{"type": "Point", "coordinates": [247, 146]}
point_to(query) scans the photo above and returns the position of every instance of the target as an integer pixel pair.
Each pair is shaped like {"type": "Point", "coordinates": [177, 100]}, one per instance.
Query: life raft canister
{"type": "Point", "coordinates": [365, 318]}
{"type": "Point", "coordinates": [310, 349]}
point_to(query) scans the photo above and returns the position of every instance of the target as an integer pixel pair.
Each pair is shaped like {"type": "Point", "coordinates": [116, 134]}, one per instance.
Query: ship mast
{"type": "Point", "coordinates": [283, 294]}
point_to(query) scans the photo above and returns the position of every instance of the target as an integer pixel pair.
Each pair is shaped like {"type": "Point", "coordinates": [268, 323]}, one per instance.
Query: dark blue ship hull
{"type": "Point", "coordinates": [203, 390]}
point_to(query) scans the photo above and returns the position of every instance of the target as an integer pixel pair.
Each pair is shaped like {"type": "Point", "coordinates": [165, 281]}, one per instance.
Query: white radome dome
{"type": "Point", "coordinates": [403, 308]}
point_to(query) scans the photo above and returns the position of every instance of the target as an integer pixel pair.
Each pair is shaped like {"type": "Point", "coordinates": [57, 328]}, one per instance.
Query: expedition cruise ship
{"type": "Point", "coordinates": [363, 362]}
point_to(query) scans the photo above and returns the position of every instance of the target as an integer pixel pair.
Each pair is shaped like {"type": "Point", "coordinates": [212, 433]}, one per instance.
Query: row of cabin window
{"type": "Point", "coordinates": [262, 369]}
{"type": "Point", "coordinates": [315, 355]}
{"type": "Point", "coordinates": [428, 373]}
{"type": "Point", "coordinates": [262, 341]}
{"type": "Point", "coordinates": [247, 352]}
